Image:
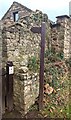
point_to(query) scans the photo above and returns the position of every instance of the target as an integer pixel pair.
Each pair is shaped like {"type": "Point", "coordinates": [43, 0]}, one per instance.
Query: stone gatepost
{"type": "Point", "coordinates": [64, 21]}
{"type": "Point", "coordinates": [26, 90]}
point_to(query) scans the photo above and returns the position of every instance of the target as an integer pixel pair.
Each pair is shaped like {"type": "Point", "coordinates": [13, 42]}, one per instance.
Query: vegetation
{"type": "Point", "coordinates": [33, 64]}
{"type": "Point", "coordinates": [56, 86]}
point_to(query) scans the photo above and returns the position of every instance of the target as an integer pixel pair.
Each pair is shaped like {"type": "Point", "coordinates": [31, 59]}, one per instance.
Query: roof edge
{"type": "Point", "coordinates": [18, 4]}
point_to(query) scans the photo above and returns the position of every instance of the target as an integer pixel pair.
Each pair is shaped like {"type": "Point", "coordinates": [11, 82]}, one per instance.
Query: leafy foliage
{"type": "Point", "coordinates": [56, 102]}
{"type": "Point", "coordinates": [33, 64]}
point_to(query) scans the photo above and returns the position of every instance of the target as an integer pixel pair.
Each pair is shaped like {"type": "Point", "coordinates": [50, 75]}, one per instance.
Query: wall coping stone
{"type": "Point", "coordinates": [63, 16]}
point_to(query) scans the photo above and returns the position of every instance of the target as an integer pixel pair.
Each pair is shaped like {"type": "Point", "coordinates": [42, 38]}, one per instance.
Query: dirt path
{"type": "Point", "coordinates": [16, 114]}
{"type": "Point", "coordinates": [12, 114]}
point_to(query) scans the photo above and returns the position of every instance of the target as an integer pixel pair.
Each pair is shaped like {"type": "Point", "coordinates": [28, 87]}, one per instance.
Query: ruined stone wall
{"type": "Point", "coordinates": [60, 36]}
{"type": "Point", "coordinates": [67, 39]}
{"type": "Point", "coordinates": [0, 45]}
{"type": "Point", "coordinates": [0, 69]}
{"type": "Point", "coordinates": [70, 36]}
{"type": "Point", "coordinates": [57, 43]}
{"type": "Point", "coordinates": [65, 23]}
{"type": "Point", "coordinates": [22, 47]}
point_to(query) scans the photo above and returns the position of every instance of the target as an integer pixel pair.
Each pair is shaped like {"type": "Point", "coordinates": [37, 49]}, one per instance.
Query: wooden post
{"type": "Point", "coordinates": [41, 74]}
{"type": "Point", "coordinates": [42, 31]}
{"type": "Point", "coordinates": [3, 91]}
{"type": "Point", "coordinates": [1, 104]}
{"type": "Point", "coordinates": [9, 85]}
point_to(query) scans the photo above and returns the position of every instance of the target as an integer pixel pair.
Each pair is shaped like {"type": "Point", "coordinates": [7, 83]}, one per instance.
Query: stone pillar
{"type": "Point", "coordinates": [26, 90]}
{"type": "Point", "coordinates": [55, 43]}
{"type": "Point", "coordinates": [70, 36]}
{"type": "Point", "coordinates": [64, 21]}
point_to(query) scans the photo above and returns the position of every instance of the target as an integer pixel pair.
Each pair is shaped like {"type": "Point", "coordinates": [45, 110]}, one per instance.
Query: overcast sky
{"type": "Point", "coordinates": [52, 8]}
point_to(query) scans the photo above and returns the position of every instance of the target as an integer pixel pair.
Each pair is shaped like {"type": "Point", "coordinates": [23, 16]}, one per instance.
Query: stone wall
{"type": "Point", "coordinates": [56, 43]}
{"type": "Point", "coordinates": [60, 36]}
{"type": "Point", "coordinates": [70, 36]}
{"type": "Point", "coordinates": [22, 47]}
{"type": "Point", "coordinates": [65, 23]}
{"type": "Point", "coordinates": [26, 89]}
{"type": "Point", "coordinates": [8, 18]}
{"type": "Point", "coordinates": [0, 69]}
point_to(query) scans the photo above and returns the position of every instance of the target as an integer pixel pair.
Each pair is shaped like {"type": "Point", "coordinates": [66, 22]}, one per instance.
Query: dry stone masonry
{"type": "Point", "coordinates": [0, 69]}
{"type": "Point", "coordinates": [22, 47]}
{"type": "Point", "coordinates": [60, 36]}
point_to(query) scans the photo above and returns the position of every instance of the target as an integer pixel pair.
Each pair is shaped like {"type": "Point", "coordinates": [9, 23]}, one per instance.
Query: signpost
{"type": "Point", "coordinates": [41, 30]}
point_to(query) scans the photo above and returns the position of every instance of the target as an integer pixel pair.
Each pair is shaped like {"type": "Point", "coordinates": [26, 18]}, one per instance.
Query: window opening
{"type": "Point", "coordinates": [15, 15]}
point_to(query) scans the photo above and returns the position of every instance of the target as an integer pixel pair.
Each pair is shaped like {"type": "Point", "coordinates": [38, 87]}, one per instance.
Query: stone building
{"type": "Point", "coordinates": [22, 47]}
{"type": "Point", "coordinates": [15, 12]}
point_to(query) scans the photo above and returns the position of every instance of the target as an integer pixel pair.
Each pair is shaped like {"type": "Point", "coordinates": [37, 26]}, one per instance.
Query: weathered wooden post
{"type": "Point", "coordinates": [42, 31]}
{"type": "Point", "coordinates": [9, 85]}
{"type": "Point", "coordinates": [41, 74]}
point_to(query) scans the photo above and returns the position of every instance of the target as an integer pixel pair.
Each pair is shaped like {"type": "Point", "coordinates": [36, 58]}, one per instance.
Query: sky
{"type": "Point", "coordinates": [52, 8]}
